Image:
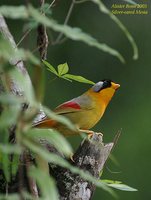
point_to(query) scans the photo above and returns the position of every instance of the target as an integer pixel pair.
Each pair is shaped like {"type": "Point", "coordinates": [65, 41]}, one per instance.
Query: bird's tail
{"type": "Point", "coordinates": [46, 123]}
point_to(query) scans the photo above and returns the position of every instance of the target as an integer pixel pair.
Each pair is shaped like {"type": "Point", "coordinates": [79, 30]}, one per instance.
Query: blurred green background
{"type": "Point", "coordinates": [130, 109]}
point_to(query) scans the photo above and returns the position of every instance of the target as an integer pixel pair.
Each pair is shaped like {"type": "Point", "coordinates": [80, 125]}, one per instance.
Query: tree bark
{"type": "Point", "coordinates": [91, 157]}
{"type": "Point", "coordinates": [21, 177]}
{"type": "Point", "coordinates": [15, 89]}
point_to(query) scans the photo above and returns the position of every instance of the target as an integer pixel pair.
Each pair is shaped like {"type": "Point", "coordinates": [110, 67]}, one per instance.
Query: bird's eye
{"type": "Point", "coordinates": [106, 84]}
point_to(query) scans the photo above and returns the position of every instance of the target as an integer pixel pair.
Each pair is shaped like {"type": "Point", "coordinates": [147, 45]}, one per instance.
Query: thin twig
{"type": "Point", "coordinates": [29, 30]}
{"type": "Point", "coordinates": [51, 5]}
{"type": "Point", "coordinates": [61, 41]}
{"type": "Point", "coordinates": [113, 172]}
{"type": "Point", "coordinates": [23, 37]}
{"type": "Point", "coordinates": [57, 41]}
{"type": "Point", "coordinates": [66, 20]}
{"type": "Point", "coordinates": [80, 1]}
{"type": "Point", "coordinates": [116, 138]}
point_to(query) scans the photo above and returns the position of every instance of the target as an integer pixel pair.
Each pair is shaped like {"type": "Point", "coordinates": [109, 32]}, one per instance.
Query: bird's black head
{"type": "Point", "coordinates": [105, 83]}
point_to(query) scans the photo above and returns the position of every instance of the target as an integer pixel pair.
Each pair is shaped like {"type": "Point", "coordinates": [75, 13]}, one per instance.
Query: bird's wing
{"type": "Point", "coordinates": [75, 105]}
{"type": "Point", "coordinates": [68, 107]}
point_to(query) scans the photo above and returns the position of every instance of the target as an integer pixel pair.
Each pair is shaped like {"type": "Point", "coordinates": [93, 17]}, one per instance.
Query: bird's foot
{"type": "Point", "coordinates": [71, 158]}
{"type": "Point", "coordinates": [99, 133]}
{"type": "Point", "coordinates": [90, 133]}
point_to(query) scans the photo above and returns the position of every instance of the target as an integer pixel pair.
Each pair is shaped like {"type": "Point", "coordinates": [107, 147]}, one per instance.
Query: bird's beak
{"type": "Point", "coordinates": [115, 86]}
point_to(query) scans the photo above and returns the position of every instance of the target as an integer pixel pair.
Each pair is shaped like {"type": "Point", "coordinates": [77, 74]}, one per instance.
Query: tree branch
{"type": "Point", "coordinates": [42, 38]}
{"type": "Point", "coordinates": [90, 156]}
{"type": "Point", "coordinates": [15, 89]}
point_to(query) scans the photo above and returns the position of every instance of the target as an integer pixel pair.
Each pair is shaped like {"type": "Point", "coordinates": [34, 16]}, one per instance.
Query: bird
{"type": "Point", "coordinates": [83, 111]}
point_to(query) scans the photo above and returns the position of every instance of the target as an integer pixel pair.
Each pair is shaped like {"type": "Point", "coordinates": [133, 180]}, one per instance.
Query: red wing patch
{"type": "Point", "coordinates": [70, 104]}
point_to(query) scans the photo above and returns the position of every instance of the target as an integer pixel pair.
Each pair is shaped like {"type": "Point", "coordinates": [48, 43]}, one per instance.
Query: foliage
{"type": "Point", "coordinates": [13, 113]}
{"type": "Point", "coordinates": [63, 73]}
{"type": "Point", "coordinates": [130, 1]}
{"type": "Point", "coordinates": [21, 12]}
{"type": "Point", "coordinates": [119, 185]}
{"type": "Point", "coordinates": [104, 9]}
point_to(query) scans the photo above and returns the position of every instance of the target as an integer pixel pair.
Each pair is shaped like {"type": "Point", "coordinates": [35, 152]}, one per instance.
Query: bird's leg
{"type": "Point", "coordinates": [71, 157]}
{"type": "Point", "coordinates": [90, 133]}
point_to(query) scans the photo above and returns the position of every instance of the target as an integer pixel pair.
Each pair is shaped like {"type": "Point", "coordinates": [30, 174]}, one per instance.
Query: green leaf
{"type": "Point", "coordinates": [57, 160]}
{"type": "Point", "coordinates": [119, 185]}
{"type": "Point", "coordinates": [122, 187]}
{"type": "Point", "coordinates": [46, 183]}
{"type": "Point", "coordinates": [78, 78]}
{"type": "Point", "coordinates": [105, 10]}
{"type": "Point", "coordinates": [63, 69]}
{"type": "Point", "coordinates": [53, 137]}
{"type": "Point", "coordinates": [21, 12]}
{"type": "Point", "coordinates": [15, 164]}
{"type": "Point", "coordinates": [62, 73]}
{"type": "Point", "coordinates": [130, 1]}
{"type": "Point", "coordinates": [25, 85]}
{"type": "Point", "coordinates": [45, 8]}
{"type": "Point", "coordinates": [67, 79]}
{"type": "Point", "coordinates": [50, 67]}
{"type": "Point", "coordinates": [10, 99]}
{"type": "Point", "coordinates": [110, 181]}
{"type": "Point", "coordinates": [6, 166]}
{"type": "Point", "coordinates": [10, 148]}
{"type": "Point", "coordinates": [9, 116]}
{"type": "Point", "coordinates": [14, 12]}
{"type": "Point", "coordinates": [25, 55]}
{"type": "Point", "coordinates": [8, 52]}
{"type": "Point", "coordinates": [10, 197]}
{"type": "Point", "coordinates": [4, 157]}
{"type": "Point", "coordinates": [11, 109]}
{"type": "Point", "coordinates": [73, 33]}
{"type": "Point", "coordinates": [28, 196]}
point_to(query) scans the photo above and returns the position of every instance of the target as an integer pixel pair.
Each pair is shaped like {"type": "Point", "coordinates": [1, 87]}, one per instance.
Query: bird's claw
{"type": "Point", "coordinates": [99, 133]}
{"type": "Point", "coordinates": [71, 158]}
{"type": "Point", "coordinates": [90, 133]}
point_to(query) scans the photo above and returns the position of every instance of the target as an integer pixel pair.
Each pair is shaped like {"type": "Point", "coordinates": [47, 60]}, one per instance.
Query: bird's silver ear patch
{"type": "Point", "coordinates": [98, 86]}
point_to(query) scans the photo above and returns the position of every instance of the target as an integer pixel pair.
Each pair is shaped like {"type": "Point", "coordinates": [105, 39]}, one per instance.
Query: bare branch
{"type": "Point", "coordinates": [20, 65]}
{"type": "Point", "coordinates": [90, 156]}
{"type": "Point", "coordinates": [65, 22]}
{"type": "Point", "coordinates": [42, 38]}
